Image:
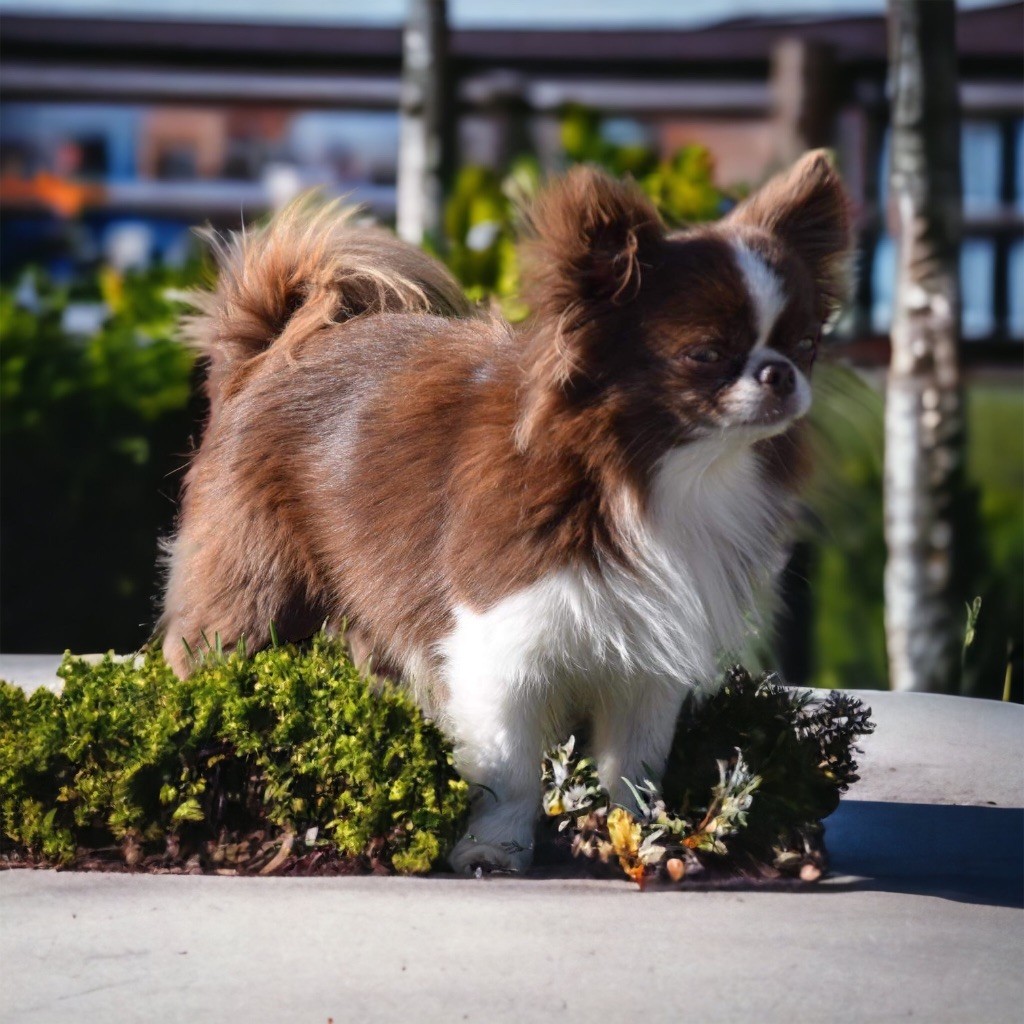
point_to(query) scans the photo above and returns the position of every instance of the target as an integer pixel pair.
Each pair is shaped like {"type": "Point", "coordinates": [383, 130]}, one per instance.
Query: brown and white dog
{"type": "Point", "coordinates": [530, 527]}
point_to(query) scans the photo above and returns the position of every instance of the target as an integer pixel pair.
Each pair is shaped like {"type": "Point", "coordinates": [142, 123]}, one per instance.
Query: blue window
{"type": "Point", "coordinates": [977, 276]}
{"type": "Point", "coordinates": [883, 285]}
{"type": "Point", "coordinates": [1015, 289]}
{"type": "Point", "coordinates": [981, 161]}
{"type": "Point", "coordinates": [1018, 164]}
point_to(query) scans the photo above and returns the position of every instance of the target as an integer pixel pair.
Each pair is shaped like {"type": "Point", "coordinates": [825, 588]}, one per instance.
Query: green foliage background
{"type": "Point", "coordinates": [848, 546]}
{"type": "Point", "coordinates": [93, 432]}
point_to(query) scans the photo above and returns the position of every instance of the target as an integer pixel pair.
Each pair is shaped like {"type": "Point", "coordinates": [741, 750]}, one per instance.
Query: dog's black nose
{"type": "Point", "coordinates": [779, 376]}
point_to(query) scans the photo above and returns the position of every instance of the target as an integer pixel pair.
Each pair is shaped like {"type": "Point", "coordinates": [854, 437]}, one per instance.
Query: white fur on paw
{"type": "Point", "coordinates": [470, 853]}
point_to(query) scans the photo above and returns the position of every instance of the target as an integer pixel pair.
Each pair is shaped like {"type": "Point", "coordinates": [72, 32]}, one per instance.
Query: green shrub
{"type": "Point", "coordinates": [174, 773]}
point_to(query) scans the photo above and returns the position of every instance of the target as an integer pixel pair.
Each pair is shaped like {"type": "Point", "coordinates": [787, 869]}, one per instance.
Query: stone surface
{"type": "Point", "coordinates": [921, 919]}
{"type": "Point", "coordinates": [31, 670]}
{"type": "Point", "coordinates": [107, 948]}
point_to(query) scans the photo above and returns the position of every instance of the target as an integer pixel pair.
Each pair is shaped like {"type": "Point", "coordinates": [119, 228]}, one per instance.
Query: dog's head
{"type": "Point", "coordinates": [676, 336]}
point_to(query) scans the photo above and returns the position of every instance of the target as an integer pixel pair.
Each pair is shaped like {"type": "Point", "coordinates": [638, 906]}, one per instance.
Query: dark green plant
{"type": "Point", "coordinates": [753, 770]}
{"type": "Point", "coordinates": [289, 750]}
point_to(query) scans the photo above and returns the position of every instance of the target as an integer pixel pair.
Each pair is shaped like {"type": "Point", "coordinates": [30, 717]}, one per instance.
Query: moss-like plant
{"type": "Point", "coordinates": [275, 761]}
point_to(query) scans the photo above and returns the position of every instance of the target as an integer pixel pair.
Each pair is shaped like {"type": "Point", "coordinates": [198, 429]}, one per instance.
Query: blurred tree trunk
{"type": "Point", "coordinates": [924, 399]}
{"type": "Point", "coordinates": [426, 124]}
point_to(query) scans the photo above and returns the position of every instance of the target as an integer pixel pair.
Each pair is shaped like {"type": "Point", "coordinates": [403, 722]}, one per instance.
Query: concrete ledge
{"type": "Point", "coordinates": [922, 919]}
{"type": "Point", "coordinates": [30, 671]}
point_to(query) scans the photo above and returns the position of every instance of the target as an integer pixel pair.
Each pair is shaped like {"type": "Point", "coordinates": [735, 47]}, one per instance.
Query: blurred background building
{"type": "Point", "coordinates": [144, 117]}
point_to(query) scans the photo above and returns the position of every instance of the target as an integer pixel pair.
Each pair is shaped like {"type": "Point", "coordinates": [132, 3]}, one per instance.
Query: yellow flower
{"type": "Point", "coordinates": [624, 832]}
{"type": "Point", "coordinates": [626, 836]}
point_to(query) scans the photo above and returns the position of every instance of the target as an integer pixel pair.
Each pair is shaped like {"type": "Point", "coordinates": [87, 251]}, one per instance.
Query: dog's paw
{"type": "Point", "coordinates": [471, 853]}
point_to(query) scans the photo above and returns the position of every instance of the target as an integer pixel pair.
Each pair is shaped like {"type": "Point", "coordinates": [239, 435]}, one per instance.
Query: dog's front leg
{"type": "Point", "coordinates": [496, 727]}
{"type": "Point", "coordinates": [633, 732]}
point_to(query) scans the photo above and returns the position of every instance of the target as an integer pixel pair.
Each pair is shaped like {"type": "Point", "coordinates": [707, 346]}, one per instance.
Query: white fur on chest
{"type": "Point", "coordinates": [700, 554]}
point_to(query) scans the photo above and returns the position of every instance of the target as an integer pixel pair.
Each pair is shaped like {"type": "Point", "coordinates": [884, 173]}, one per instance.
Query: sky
{"type": "Point", "coordinates": [465, 13]}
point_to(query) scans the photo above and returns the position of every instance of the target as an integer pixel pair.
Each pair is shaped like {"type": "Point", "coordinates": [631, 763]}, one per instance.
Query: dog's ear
{"type": "Point", "coordinates": [808, 209]}
{"type": "Point", "coordinates": [585, 237]}
{"type": "Point", "coordinates": [587, 242]}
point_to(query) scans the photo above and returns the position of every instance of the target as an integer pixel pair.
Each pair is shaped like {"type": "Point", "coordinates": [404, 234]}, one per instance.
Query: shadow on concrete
{"type": "Point", "coordinates": [969, 854]}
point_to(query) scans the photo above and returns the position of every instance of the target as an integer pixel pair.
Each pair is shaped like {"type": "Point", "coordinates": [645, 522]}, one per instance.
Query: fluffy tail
{"type": "Point", "coordinates": [310, 267]}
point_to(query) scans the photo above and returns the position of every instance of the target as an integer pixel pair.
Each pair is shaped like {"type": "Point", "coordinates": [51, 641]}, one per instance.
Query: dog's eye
{"type": "Point", "coordinates": [805, 346]}
{"type": "Point", "coordinates": [704, 354]}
